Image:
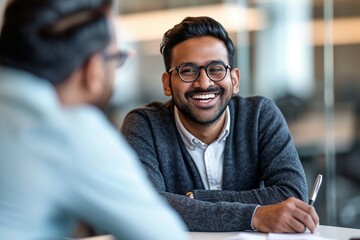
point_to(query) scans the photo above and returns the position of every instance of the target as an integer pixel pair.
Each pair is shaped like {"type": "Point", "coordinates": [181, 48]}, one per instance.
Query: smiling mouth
{"type": "Point", "coordinates": [204, 98]}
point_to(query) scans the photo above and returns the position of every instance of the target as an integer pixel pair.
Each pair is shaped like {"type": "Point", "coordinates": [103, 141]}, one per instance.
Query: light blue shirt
{"type": "Point", "coordinates": [209, 159]}
{"type": "Point", "coordinates": [59, 165]}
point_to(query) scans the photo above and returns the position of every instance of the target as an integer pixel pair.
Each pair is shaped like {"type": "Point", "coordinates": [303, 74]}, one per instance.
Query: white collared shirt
{"type": "Point", "coordinates": [208, 159]}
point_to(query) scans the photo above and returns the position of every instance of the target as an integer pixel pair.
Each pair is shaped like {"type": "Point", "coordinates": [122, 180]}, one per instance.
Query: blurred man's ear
{"type": "Point", "coordinates": [94, 74]}
{"type": "Point", "coordinates": [166, 84]}
{"type": "Point", "coordinates": [85, 84]}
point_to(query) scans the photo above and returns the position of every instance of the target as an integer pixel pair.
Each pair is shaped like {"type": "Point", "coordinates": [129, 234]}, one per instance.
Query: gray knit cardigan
{"type": "Point", "coordinates": [261, 164]}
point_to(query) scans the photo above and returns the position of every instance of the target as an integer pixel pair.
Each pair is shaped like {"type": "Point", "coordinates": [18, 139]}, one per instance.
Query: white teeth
{"type": "Point", "coordinates": [204, 96]}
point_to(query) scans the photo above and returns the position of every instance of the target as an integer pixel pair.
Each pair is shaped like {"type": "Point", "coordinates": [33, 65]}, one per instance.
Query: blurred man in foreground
{"type": "Point", "coordinates": [60, 159]}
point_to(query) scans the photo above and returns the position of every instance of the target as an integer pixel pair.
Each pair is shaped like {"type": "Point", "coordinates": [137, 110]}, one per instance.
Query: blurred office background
{"type": "Point", "coordinates": [304, 54]}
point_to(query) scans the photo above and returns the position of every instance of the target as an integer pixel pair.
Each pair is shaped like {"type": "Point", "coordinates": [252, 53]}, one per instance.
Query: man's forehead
{"type": "Point", "coordinates": [200, 51]}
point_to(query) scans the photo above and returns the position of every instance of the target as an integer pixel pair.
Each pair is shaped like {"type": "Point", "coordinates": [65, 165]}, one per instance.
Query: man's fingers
{"type": "Point", "coordinates": [297, 226]}
{"type": "Point", "coordinates": [305, 219]}
{"type": "Point", "coordinates": [307, 215]}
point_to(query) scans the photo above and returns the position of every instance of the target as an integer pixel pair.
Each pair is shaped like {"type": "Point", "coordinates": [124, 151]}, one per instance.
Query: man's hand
{"type": "Point", "coordinates": [291, 215]}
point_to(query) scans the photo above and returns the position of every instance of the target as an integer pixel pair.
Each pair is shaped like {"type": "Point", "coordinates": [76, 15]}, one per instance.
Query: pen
{"type": "Point", "coordinates": [315, 189]}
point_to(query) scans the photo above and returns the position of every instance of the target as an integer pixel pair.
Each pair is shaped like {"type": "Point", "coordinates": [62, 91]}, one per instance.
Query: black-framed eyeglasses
{"type": "Point", "coordinates": [189, 72]}
{"type": "Point", "coordinates": [120, 57]}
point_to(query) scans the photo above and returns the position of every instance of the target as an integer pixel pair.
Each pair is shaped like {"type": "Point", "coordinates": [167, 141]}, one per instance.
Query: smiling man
{"type": "Point", "coordinates": [224, 162]}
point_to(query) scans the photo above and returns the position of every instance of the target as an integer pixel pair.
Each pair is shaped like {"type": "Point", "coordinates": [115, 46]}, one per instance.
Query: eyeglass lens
{"type": "Point", "coordinates": [190, 72]}
{"type": "Point", "coordinates": [119, 57]}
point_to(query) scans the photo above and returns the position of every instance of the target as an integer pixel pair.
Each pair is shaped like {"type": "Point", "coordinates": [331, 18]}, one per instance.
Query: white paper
{"type": "Point", "coordinates": [248, 236]}
{"type": "Point", "coordinates": [296, 236]}
{"type": "Point", "coordinates": [278, 236]}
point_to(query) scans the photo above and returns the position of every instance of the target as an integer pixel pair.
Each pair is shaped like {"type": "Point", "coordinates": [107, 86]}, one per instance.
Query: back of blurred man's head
{"type": "Point", "coordinates": [52, 38]}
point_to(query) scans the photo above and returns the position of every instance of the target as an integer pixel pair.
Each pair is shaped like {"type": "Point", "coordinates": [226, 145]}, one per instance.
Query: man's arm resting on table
{"type": "Point", "coordinates": [215, 217]}
{"type": "Point", "coordinates": [261, 196]}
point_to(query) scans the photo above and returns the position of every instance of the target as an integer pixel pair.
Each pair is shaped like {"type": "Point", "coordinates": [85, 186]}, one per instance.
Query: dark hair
{"type": "Point", "coordinates": [51, 38]}
{"type": "Point", "coordinates": [192, 27]}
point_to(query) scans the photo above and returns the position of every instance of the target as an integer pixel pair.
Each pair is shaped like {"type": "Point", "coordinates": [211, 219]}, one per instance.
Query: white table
{"type": "Point", "coordinates": [338, 233]}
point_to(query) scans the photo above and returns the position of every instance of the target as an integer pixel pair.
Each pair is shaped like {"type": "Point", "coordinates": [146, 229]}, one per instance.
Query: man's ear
{"type": "Point", "coordinates": [166, 84]}
{"type": "Point", "coordinates": [93, 74]}
{"type": "Point", "coordinates": [235, 78]}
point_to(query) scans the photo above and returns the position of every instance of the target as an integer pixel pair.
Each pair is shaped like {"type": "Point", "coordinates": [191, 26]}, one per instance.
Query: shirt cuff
{"type": "Point", "coordinates": [253, 217]}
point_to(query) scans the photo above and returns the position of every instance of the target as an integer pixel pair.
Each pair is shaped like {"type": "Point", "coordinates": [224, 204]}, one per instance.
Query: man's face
{"type": "Point", "coordinates": [202, 101]}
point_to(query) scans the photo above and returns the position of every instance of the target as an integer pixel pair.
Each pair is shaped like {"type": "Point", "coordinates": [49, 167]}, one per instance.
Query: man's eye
{"type": "Point", "coordinates": [188, 71]}
{"type": "Point", "coordinates": [216, 70]}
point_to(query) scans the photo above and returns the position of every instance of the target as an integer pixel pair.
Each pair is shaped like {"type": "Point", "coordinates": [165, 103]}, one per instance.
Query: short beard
{"type": "Point", "coordinates": [188, 114]}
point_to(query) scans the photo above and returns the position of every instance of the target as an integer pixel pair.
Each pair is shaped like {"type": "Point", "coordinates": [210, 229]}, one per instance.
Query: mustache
{"type": "Point", "coordinates": [204, 91]}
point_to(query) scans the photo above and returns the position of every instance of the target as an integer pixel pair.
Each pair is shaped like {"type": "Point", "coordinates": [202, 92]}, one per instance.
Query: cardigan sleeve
{"type": "Point", "coordinates": [136, 129]}
{"type": "Point", "coordinates": [204, 216]}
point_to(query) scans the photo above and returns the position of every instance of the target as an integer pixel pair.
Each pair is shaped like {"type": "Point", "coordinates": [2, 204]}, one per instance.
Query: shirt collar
{"type": "Point", "coordinates": [190, 140]}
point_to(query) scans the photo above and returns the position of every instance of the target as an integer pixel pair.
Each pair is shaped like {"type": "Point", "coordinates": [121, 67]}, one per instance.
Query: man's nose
{"type": "Point", "coordinates": [203, 81]}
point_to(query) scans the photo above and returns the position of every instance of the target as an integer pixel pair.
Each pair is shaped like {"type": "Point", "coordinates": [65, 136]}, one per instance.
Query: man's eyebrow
{"type": "Point", "coordinates": [68, 23]}
{"type": "Point", "coordinates": [206, 63]}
